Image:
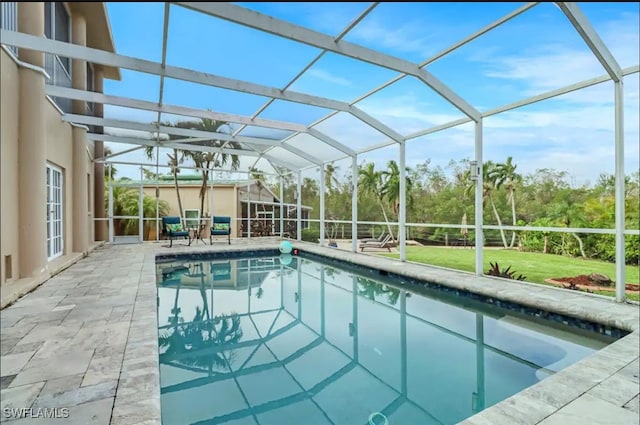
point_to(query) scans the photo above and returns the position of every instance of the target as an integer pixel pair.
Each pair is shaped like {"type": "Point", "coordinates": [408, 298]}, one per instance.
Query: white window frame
{"type": "Point", "coordinates": [55, 77]}
{"type": "Point", "coordinates": [50, 222]}
{"type": "Point", "coordinates": [188, 220]}
{"type": "Point", "coordinates": [266, 216]}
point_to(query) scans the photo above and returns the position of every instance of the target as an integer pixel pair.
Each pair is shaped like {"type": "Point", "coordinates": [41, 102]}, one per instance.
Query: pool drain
{"type": "Point", "coordinates": [377, 418]}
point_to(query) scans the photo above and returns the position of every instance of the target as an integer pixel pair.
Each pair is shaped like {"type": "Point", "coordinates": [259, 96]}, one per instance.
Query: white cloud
{"type": "Point", "coordinates": [129, 114]}
{"type": "Point", "coordinates": [572, 133]}
{"type": "Point", "coordinates": [410, 37]}
{"type": "Point", "coordinates": [328, 77]}
{"type": "Point", "coordinates": [622, 36]}
{"type": "Point", "coordinates": [407, 113]}
{"type": "Point", "coordinates": [549, 67]}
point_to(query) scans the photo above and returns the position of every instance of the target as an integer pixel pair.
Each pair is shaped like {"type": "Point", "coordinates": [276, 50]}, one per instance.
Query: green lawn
{"type": "Point", "coordinates": [535, 266]}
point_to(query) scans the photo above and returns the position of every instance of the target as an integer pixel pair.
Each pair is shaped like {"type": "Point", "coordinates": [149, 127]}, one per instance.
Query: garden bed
{"type": "Point", "coordinates": [586, 283]}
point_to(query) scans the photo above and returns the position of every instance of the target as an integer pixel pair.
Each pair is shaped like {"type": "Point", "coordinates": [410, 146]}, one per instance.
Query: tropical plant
{"type": "Point", "coordinates": [391, 186]}
{"type": "Point", "coordinates": [149, 175]}
{"type": "Point", "coordinates": [219, 333]}
{"type": "Point", "coordinates": [149, 204]}
{"type": "Point", "coordinates": [330, 179]}
{"type": "Point", "coordinates": [207, 160]}
{"type": "Point", "coordinates": [370, 289]}
{"type": "Point", "coordinates": [204, 161]}
{"type": "Point", "coordinates": [110, 170]}
{"type": "Point", "coordinates": [126, 203]}
{"type": "Point", "coordinates": [488, 186]}
{"type": "Point", "coordinates": [370, 184]}
{"type": "Point", "coordinates": [505, 175]}
{"type": "Point", "coordinates": [569, 212]}
{"type": "Point", "coordinates": [175, 159]}
{"type": "Point", "coordinates": [507, 273]}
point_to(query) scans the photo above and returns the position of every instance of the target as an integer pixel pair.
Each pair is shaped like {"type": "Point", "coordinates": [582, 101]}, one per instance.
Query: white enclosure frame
{"type": "Point", "coordinates": [260, 148]}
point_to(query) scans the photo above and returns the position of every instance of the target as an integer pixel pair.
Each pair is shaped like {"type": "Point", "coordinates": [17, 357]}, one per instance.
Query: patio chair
{"type": "Point", "coordinates": [221, 271]}
{"type": "Point", "coordinates": [378, 239]}
{"type": "Point", "coordinates": [220, 226]}
{"type": "Point", "coordinates": [172, 228]}
{"type": "Point", "coordinates": [387, 242]}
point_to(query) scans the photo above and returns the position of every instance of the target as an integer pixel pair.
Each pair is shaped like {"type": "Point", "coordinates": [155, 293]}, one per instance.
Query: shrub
{"type": "Point", "coordinates": [310, 235]}
{"type": "Point", "coordinates": [506, 273]}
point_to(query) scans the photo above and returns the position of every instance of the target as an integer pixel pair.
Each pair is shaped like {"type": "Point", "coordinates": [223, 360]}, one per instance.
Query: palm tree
{"type": "Point", "coordinates": [332, 207]}
{"type": "Point", "coordinates": [544, 222]}
{"type": "Point", "coordinates": [370, 289]}
{"type": "Point", "coordinates": [149, 211]}
{"type": "Point", "coordinates": [221, 332]}
{"type": "Point", "coordinates": [149, 175]}
{"type": "Point", "coordinates": [207, 160]}
{"type": "Point", "coordinates": [330, 177]}
{"type": "Point", "coordinates": [370, 183]}
{"type": "Point", "coordinates": [488, 185]}
{"type": "Point", "coordinates": [126, 202]}
{"type": "Point", "coordinates": [258, 176]}
{"type": "Point", "coordinates": [505, 174]}
{"type": "Point", "coordinates": [109, 172]}
{"type": "Point", "coordinates": [569, 212]}
{"type": "Point", "coordinates": [174, 161]}
{"type": "Point", "coordinates": [202, 160]}
{"type": "Point", "coordinates": [391, 186]}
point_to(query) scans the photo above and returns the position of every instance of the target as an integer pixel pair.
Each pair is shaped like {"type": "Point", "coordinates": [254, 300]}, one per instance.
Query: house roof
{"type": "Point", "coordinates": [190, 180]}
{"type": "Point", "coordinates": [193, 180]}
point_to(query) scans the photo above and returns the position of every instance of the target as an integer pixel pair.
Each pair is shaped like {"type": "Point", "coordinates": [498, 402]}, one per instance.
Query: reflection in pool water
{"type": "Point", "coordinates": [257, 341]}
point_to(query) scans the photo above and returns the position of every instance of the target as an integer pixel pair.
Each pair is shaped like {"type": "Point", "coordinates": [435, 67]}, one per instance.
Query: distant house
{"type": "Point", "coordinates": [223, 274]}
{"type": "Point", "coordinates": [233, 198]}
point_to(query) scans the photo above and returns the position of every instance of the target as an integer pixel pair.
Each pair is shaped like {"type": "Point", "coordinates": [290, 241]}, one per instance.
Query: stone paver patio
{"type": "Point", "coordinates": [86, 341]}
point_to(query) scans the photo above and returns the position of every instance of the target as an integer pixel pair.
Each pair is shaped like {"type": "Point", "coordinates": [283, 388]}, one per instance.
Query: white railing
{"type": "Point", "coordinates": [9, 19]}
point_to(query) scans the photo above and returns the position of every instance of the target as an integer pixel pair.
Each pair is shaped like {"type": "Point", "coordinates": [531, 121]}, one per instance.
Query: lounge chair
{"type": "Point", "coordinates": [387, 242]}
{"type": "Point", "coordinates": [172, 228]}
{"type": "Point", "coordinates": [378, 239]}
{"type": "Point", "coordinates": [220, 226]}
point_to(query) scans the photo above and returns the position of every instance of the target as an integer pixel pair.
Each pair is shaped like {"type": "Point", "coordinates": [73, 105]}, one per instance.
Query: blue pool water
{"type": "Point", "coordinates": [304, 342]}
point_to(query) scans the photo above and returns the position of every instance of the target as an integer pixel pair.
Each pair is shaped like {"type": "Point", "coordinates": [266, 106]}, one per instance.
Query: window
{"type": "Point", "coordinates": [9, 19]}
{"type": "Point", "coordinates": [192, 218]}
{"type": "Point", "coordinates": [89, 77]}
{"type": "Point", "coordinates": [57, 26]}
{"type": "Point", "coordinates": [89, 86]}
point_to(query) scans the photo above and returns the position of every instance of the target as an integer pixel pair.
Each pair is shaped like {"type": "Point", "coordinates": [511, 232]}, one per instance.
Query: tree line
{"type": "Point", "coordinates": [544, 198]}
{"type": "Point", "coordinates": [438, 195]}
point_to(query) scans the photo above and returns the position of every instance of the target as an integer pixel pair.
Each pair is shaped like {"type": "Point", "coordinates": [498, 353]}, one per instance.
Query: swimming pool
{"type": "Point", "coordinates": [303, 341]}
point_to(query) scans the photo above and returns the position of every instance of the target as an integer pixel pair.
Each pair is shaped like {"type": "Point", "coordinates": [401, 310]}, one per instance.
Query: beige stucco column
{"type": "Point", "coordinates": [101, 227]}
{"type": "Point", "coordinates": [79, 149]}
{"type": "Point", "coordinates": [80, 194]}
{"type": "Point", "coordinates": [32, 187]}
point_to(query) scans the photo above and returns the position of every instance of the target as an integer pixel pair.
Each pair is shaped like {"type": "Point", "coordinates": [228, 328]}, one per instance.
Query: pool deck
{"type": "Point", "coordinates": [86, 341]}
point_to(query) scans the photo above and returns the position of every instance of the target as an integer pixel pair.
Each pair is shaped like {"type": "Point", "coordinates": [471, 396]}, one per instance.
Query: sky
{"type": "Point", "coordinates": [531, 54]}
